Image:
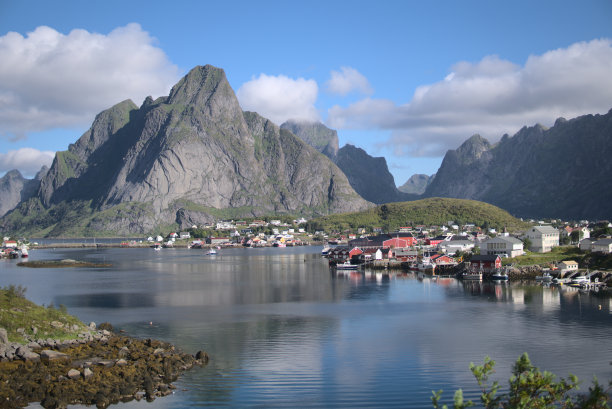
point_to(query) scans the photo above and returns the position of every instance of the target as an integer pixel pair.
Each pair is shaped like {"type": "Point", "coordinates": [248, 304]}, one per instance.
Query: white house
{"type": "Point", "coordinates": [568, 266]}
{"type": "Point", "coordinates": [452, 246]}
{"type": "Point", "coordinates": [602, 246]}
{"type": "Point", "coordinates": [502, 245]}
{"type": "Point", "coordinates": [543, 238]}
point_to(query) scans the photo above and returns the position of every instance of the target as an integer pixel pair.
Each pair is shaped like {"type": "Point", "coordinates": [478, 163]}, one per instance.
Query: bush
{"type": "Point", "coordinates": [13, 291]}
{"type": "Point", "coordinates": [529, 388]}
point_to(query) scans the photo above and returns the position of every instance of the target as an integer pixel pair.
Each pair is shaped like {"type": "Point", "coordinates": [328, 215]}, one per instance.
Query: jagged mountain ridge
{"type": "Point", "coordinates": [560, 172]}
{"type": "Point", "coordinates": [368, 175]}
{"type": "Point", "coordinates": [187, 158]}
{"type": "Point", "coordinates": [416, 184]}
{"type": "Point", "coordinates": [14, 189]}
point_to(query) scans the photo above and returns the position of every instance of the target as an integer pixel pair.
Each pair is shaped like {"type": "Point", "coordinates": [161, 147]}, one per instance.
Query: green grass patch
{"type": "Point", "coordinates": [20, 317]}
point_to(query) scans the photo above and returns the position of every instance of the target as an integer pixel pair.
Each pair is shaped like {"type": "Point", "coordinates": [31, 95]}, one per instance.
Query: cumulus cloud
{"type": "Point", "coordinates": [490, 97]}
{"type": "Point", "coordinates": [280, 98]}
{"type": "Point", "coordinates": [347, 80]}
{"type": "Point", "coordinates": [50, 80]}
{"type": "Point", "coordinates": [27, 160]}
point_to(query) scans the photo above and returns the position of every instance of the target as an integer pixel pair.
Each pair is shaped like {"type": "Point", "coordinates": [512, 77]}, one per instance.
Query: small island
{"type": "Point", "coordinates": [49, 356]}
{"type": "Point", "coordinates": [61, 263]}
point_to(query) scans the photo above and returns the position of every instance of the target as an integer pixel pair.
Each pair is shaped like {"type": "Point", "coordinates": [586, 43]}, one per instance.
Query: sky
{"type": "Point", "coordinates": [406, 80]}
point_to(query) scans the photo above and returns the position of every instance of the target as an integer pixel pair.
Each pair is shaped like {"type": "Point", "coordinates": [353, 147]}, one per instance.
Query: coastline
{"type": "Point", "coordinates": [49, 356]}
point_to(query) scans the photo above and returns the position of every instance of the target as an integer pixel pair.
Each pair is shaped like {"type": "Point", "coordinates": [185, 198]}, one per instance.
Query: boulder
{"type": "Point", "coordinates": [87, 373]}
{"type": "Point", "coordinates": [3, 336]}
{"type": "Point", "coordinates": [48, 355]}
{"type": "Point", "coordinates": [74, 374]}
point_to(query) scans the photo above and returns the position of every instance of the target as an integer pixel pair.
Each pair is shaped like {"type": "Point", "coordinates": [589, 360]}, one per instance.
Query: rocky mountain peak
{"type": "Point", "coordinates": [315, 134]}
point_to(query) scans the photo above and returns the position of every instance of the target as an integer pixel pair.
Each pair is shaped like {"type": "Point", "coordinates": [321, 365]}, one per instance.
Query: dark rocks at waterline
{"type": "Point", "coordinates": [99, 372]}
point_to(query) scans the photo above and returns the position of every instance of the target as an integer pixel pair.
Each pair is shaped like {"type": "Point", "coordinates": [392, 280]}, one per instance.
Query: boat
{"type": "Point", "coordinates": [545, 278]}
{"type": "Point", "coordinates": [499, 276]}
{"type": "Point", "coordinates": [211, 252]}
{"type": "Point", "coordinates": [559, 280]}
{"type": "Point", "coordinates": [24, 252]}
{"type": "Point", "coordinates": [579, 281]}
{"type": "Point", "coordinates": [325, 251]}
{"type": "Point", "coordinates": [347, 266]}
{"type": "Point", "coordinates": [157, 246]}
{"type": "Point", "coordinates": [472, 276]}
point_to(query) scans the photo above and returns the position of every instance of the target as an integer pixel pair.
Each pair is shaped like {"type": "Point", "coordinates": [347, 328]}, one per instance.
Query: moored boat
{"type": "Point", "coordinates": [347, 266]}
{"type": "Point", "coordinates": [472, 276]}
{"type": "Point", "coordinates": [499, 276]}
{"type": "Point", "coordinates": [545, 278]}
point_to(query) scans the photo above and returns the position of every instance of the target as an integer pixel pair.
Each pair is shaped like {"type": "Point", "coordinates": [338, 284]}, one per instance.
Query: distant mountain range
{"type": "Point", "coordinates": [195, 156]}
{"type": "Point", "coordinates": [562, 172]}
{"type": "Point", "coordinates": [184, 159]}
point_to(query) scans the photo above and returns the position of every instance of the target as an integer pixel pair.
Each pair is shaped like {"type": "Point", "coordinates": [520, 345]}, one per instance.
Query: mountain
{"type": "Point", "coordinates": [368, 175]}
{"type": "Point", "coordinates": [179, 160]}
{"type": "Point", "coordinates": [432, 211]}
{"type": "Point", "coordinates": [14, 189]}
{"type": "Point", "coordinates": [315, 134]}
{"type": "Point", "coordinates": [416, 184]}
{"type": "Point", "coordinates": [560, 172]}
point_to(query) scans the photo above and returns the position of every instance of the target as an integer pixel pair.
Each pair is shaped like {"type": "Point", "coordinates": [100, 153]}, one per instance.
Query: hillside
{"type": "Point", "coordinates": [180, 160]}
{"type": "Point", "coordinates": [559, 172]}
{"type": "Point", "coordinates": [428, 212]}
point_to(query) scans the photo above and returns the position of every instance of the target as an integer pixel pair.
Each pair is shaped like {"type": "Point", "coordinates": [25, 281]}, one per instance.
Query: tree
{"type": "Point", "coordinates": [528, 388]}
{"type": "Point", "coordinates": [526, 243]}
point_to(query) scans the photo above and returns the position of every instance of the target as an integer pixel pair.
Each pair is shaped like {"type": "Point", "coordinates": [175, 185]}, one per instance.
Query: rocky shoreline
{"type": "Point", "coordinates": [98, 368]}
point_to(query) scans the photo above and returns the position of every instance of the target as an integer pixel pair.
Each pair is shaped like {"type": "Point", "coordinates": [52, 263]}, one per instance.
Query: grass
{"type": "Point", "coordinates": [585, 259]}
{"type": "Point", "coordinates": [19, 314]}
{"type": "Point", "coordinates": [433, 211]}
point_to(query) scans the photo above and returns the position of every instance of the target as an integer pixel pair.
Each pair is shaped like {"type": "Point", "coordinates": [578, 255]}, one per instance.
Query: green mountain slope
{"type": "Point", "coordinates": [428, 212]}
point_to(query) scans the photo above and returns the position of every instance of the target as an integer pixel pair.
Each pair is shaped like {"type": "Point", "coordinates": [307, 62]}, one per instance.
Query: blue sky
{"type": "Point", "coordinates": [405, 80]}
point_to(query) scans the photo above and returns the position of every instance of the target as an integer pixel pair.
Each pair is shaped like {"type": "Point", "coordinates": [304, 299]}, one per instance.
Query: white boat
{"type": "Point", "coordinates": [24, 252]}
{"type": "Point", "coordinates": [472, 276]}
{"type": "Point", "coordinates": [545, 278]}
{"type": "Point", "coordinates": [499, 276]}
{"type": "Point", "coordinates": [211, 252]}
{"type": "Point", "coordinates": [580, 280]}
{"type": "Point", "coordinates": [325, 251]}
{"type": "Point", "coordinates": [346, 266]}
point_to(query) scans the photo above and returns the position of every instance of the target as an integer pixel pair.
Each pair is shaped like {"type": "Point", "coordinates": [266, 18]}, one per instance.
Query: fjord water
{"type": "Point", "coordinates": [282, 330]}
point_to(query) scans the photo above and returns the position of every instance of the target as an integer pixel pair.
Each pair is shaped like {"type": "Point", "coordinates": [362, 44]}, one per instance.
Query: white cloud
{"type": "Point", "coordinates": [27, 160]}
{"type": "Point", "coordinates": [490, 97]}
{"type": "Point", "coordinates": [349, 79]}
{"type": "Point", "coordinates": [280, 98]}
{"type": "Point", "coordinates": [50, 80]}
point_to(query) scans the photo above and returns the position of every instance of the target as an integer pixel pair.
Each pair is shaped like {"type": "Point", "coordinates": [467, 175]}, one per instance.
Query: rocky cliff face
{"type": "Point", "coordinates": [315, 134]}
{"type": "Point", "coordinates": [191, 157]}
{"type": "Point", "coordinates": [561, 172]}
{"type": "Point", "coordinates": [369, 176]}
{"type": "Point", "coordinates": [14, 189]}
{"type": "Point", "coordinates": [416, 184]}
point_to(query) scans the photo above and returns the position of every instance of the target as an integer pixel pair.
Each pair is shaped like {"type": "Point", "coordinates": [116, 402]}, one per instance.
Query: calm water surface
{"type": "Point", "coordinates": [282, 330]}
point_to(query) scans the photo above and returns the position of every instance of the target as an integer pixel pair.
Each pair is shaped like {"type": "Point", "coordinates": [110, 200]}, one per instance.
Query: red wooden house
{"type": "Point", "coordinates": [485, 263]}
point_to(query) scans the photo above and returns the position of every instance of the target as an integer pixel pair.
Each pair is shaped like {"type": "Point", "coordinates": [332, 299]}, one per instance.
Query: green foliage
{"type": "Point", "coordinates": [20, 316]}
{"type": "Point", "coordinates": [528, 388]}
{"type": "Point", "coordinates": [434, 211]}
{"type": "Point", "coordinates": [13, 291]}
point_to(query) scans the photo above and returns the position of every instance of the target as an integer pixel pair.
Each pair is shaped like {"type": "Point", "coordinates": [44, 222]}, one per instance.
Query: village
{"type": "Point", "coordinates": [467, 250]}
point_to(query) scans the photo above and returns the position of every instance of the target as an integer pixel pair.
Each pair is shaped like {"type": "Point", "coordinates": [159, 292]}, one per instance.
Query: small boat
{"type": "Point", "coordinates": [499, 276]}
{"type": "Point", "coordinates": [472, 276]}
{"type": "Point", "coordinates": [579, 281]}
{"type": "Point", "coordinates": [347, 266]}
{"type": "Point", "coordinates": [157, 246]}
{"type": "Point", "coordinates": [211, 252]}
{"type": "Point", "coordinates": [325, 251]}
{"type": "Point", "coordinates": [545, 278]}
{"type": "Point", "coordinates": [24, 252]}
